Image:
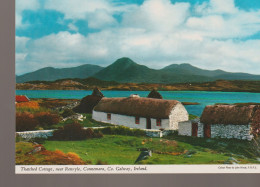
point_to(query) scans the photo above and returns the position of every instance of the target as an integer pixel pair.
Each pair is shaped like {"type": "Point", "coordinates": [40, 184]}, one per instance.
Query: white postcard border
{"type": "Point", "coordinates": [134, 169]}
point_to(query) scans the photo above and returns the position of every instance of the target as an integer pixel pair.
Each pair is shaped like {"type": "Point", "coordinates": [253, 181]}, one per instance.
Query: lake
{"type": "Point", "coordinates": [202, 97]}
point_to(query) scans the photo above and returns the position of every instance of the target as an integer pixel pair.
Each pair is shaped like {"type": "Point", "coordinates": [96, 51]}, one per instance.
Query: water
{"type": "Point", "coordinates": [202, 97]}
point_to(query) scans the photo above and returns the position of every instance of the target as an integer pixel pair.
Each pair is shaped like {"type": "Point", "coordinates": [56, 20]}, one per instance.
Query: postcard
{"type": "Point", "coordinates": [137, 86]}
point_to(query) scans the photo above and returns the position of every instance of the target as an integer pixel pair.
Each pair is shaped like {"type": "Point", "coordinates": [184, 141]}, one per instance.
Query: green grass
{"type": "Point", "coordinates": [116, 149]}
{"type": "Point", "coordinates": [245, 148]}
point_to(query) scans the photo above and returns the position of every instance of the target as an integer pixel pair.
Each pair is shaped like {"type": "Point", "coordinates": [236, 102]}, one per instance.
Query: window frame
{"type": "Point", "coordinates": [158, 122]}
{"type": "Point", "coordinates": [108, 116]}
{"type": "Point", "coordinates": [137, 120]}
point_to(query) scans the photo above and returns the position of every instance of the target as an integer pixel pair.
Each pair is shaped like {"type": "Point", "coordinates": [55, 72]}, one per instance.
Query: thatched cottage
{"type": "Point", "coordinates": [143, 113]}
{"type": "Point", "coordinates": [225, 121]}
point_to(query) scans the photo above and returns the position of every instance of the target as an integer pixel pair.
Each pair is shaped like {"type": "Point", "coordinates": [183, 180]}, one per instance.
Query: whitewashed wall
{"type": "Point", "coordinates": [117, 119]}
{"type": "Point", "coordinates": [164, 124]}
{"type": "Point", "coordinates": [128, 121]}
{"type": "Point", "coordinates": [178, 114]}
{"type": "Point", "coordinates": [185, 128]}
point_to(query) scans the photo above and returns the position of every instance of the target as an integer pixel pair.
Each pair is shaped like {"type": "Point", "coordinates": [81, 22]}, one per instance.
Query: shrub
{"type": "Point", "coordinates": [67, 113]}
{"type": "Point", "coordinates": [89, 133]}
{"type": "Point", "coordinates": [30, 105]}
{"type": "Point", "coordinates": [25, 121]}
{"type": "Point", "coordinates": [74, 131]}
{"type": "Point", "coordinates": [98, 135]}
{"type": "Point", "coordinates": [47, 118]}
{"type": "Point", "coordinates": [60, 158]}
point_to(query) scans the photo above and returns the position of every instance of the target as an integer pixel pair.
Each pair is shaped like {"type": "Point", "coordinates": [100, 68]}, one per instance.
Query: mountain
{"type": "Point", "coordinates": [51, 74]}
{"type": "Point", "coordinates": [126, 70]}
{"type": "Point", "coordinates": [189, 69]}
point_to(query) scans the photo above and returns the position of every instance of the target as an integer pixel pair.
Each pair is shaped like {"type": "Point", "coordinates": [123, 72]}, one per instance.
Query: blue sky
{"type": "Point", "coordinates": [210, 34]}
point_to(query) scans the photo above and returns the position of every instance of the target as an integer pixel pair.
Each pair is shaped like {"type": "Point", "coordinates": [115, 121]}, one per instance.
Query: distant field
{"type": "Point", "coordinates": [89, 84]}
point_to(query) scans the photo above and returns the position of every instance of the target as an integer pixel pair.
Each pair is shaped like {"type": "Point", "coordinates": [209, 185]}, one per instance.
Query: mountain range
{"type": "Point", "coordinates": [125, 70]}
{"type": "Point", "coordinates": [52, 74]}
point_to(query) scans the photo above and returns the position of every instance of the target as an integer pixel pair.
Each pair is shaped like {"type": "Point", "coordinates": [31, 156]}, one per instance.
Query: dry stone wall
{"type": "Point", "coordinates": [231, 131]}
{"type": "Point", "coordinates": [35, 134]}
{"type": "Point", "coordinates": [200, 130]}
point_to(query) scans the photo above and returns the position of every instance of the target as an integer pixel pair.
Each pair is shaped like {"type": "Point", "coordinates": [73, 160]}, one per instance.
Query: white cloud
{"type": "Point", "coordinates": [20, 6]}
{"type": "Point", "coordinates": [217, 7]}
{"type": "Point", "coordinates": [156, 33]}
{"type": "Point", "coordinates": [100, 19]}
{"type": "Point", "coordinates": [159, 15]}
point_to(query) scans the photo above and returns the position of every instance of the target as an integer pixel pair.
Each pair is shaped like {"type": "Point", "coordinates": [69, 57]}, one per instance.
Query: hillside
{"type": "Point", "coordinates": [51, 74]}
{"type": "Point", "coordinates": [125, 70]}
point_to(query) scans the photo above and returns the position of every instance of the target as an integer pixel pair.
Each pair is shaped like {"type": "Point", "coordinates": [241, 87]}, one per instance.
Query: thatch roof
{"type": "Point", "coordinates": [228, 114]}
{"type": "Point", "coordinates": [142, 107]}
{"type": "Point", "coordinates": [154, 94]}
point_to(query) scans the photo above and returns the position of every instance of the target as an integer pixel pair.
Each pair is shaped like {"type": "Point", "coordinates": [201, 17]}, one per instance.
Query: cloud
{"type": "Point", "coordinates": [211, 35]}
{"type": "Point", "coordinates": [159, 15]}
{"type": "Point", "coordinates": [20, 6]}
{"type": "Point", "coordinates": [220, 19]}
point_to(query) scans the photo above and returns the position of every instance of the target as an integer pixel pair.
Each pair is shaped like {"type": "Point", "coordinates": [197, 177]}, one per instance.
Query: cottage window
{"type": "Point", "coordinates": [108, 116]}
{"type": "Point", "coordinates": [137, 120]}
{"type": "Point", "coordinates": [158, 122]}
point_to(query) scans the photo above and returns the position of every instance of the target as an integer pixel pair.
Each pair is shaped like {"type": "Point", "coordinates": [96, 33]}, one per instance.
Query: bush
{"type": "Point", "coordinates": [47, 118]}
{"type": "Point", "coordinates": [25, 121]}
{"type": "Point", "coordinates": [75, 131]}
{"type": "Point", "coordinates": [29, 105]}
{"type": "Point", "coordinates": [98, 135]}
{"type": "Point", "coordinates": [67, 113]}
{"type": "Point", "coordinates": [60, 158]}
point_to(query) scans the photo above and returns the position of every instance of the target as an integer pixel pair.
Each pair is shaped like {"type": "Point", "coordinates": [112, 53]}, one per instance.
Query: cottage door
{"type": "Point", "coordinates": [195, 129]}
{"type": "Point", "coordinates": [148, 123]}
{"type": "Point", "coordinates": [207, 131]}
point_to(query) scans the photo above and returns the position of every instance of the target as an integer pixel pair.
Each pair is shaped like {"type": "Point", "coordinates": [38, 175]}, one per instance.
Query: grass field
{"type": "Point", "coordinates": [115, 149]}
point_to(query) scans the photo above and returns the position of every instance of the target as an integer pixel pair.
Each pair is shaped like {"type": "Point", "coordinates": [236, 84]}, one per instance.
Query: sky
{"type": "Point", "coordinates": [209, 34]}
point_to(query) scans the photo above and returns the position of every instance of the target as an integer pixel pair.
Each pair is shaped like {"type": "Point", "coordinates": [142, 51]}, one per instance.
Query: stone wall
{"type": "Point", "coordinates": [185, 128]}
{"type": "Point", "coordinates": [200, 130]}
{"type": "Point", "coordinates": [231, 131]}
{"type": "Point", "coordinates": [153, 133]}
{"type": "Point", "coordinates": [35, 134]}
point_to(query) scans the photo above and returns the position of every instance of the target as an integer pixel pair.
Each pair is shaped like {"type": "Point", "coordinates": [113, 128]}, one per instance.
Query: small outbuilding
{"type": "Point", "coordinates": [142, 113]}
{"type": "Point", "coordinates": [21, 98]}
{"type": "Point", "coordinates": [225, 121]}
